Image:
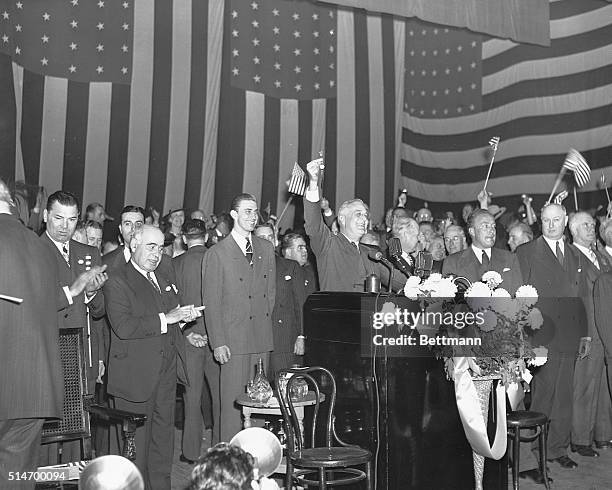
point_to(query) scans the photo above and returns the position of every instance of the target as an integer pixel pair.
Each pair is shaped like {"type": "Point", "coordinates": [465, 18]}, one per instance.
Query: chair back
{"type": "Point", "coordinates": [75, 422]}
{"type": "Point", "coordinates": [317, 378]}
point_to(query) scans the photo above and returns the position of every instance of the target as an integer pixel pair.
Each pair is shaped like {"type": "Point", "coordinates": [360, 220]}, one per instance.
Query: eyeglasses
{"type": "Point", "coordinates": [452, 239]}
{"type": "Point", "coordinates": [486, 226]}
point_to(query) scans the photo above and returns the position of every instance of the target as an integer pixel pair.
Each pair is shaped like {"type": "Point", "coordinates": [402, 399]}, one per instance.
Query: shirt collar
{"type": "Point", "coordinates": [609, 249]}
{"type": "Point", "coordinates": [60, 246]}
{"type": "Point", "coordinates": [479, 251]}
{"type": "Point", "coordinates": [241, 240]}
{"type": "Point", "coordinates": [142, 271]}
{"type": "Point", "coordinates": [585, 250]}
{"type": "Point", "coordinates": [553, 244]}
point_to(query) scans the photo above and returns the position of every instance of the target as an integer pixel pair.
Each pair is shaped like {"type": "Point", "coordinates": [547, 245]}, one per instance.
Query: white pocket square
{"type": "Point", "coordinates": [506, 269]}
{"type": "Point", "coordinates": [287, 278]}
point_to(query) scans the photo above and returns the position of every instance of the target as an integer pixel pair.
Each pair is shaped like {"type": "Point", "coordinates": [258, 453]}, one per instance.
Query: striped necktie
{"type": "Point", "coordinates": [65, 254]}
{"type": "Point", "coordinates": [249, 251]}
{"type": "Point", "coordinates": [559, 253]}
{"type": "Point", "coordinates": [153, 283]}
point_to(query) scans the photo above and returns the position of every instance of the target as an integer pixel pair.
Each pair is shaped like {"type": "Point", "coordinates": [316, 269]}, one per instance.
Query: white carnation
{"type": "Point", "coordinates": [492, 279]}
{"type": "Point", "coordinates": [528, 294]}
{"type": "Point", "coordinates": [535, 319]}
{"type": "Point", "coordinates": [500, 293]}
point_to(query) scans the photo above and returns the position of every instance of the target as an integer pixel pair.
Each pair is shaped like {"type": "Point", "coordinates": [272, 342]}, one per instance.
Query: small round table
{"type": "Point", "coordinates": [250, 407]}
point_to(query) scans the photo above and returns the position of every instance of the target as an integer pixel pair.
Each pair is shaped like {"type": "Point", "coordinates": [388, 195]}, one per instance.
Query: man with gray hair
{"type": "Point", "coordinates": [592, 404]}
{"type": "Point", "coordinates": [342, 262]}
{"type": "Point", "coordinates": [518, 234]}
{"type": "Point", "coordinates": [147, 350]}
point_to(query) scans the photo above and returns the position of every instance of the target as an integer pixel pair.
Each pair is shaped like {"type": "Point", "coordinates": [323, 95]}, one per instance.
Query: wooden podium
{"type": "Point", "coordinates": [396, 402]}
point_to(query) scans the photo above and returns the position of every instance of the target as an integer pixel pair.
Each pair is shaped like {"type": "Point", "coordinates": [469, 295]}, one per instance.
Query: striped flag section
{"type": "Point", "coordinates": [260, 136]}
{"type": "Point", "coordinates": [297, 184]}
{"type": "Point", "coordinates": [575, 163]}
{"type": "Point", "coordinates": [494, 142]}
{"type": "Point", "coordinates": [539, 100]}
{"type": "Point", "coordinates": [152, 142]}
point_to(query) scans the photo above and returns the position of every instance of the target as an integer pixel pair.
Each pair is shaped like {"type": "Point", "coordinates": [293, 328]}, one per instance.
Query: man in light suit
{"type": "Point", "coordinates": [147, 350]}
{"type": "Point", "coordinates": [239, 278]}
{"type": "Point", "coordinates": [196, 397]}
{"type": "Point", "coordinates": [482, 256]}
{"type": "Point", "coordinates": [558, 272]}
{"type": "Point", "coordinates": [31, 380]}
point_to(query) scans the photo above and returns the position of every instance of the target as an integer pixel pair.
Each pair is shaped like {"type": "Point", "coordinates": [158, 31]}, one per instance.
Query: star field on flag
{"type": "Point", "coordinates": [83, 40]}
{"type": "Point", "coordinates": [285, 49]}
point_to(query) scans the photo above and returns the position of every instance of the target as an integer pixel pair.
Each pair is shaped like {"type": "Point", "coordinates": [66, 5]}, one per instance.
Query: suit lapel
{"type": "Point", "coordinates": [142, 283]}
{"type": "Point", "coordinates": [469, 262]}
{"type": "Point", "coordinates": [549, 259]}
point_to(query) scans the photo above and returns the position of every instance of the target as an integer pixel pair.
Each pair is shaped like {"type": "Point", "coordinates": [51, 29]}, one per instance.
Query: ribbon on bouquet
{"type": "Point", "coordinates": [474, 424]}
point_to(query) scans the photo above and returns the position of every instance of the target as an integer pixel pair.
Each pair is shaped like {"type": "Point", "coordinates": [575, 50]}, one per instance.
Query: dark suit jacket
{"type": "Point", "coordinates": [288, 307]}
{"type": "Point", "coordinates": [602, 293]}
{"type": "Point", "coordinates": [114, 259]}
{"type": "Point", "coordinates": [239, 298]}
{"type": "Point", "coordinates": [340, 265]}
{"type": "Point", "coordinates": [75, 315]}
{"type": "Point", "coordinates": [31, 381]}
{"type": "Point", "coordinates": [137, 344]}
{"type": "Point", "coordinates": [560, 290]}
{"type": "Point", "coordinates": [466, 264]}
{"type": "Point", "coordinates": [188, 269]}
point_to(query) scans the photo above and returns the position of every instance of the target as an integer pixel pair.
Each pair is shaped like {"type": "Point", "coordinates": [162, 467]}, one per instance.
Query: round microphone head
{"type": "Point", "coordinates": [263, 446]}
{"type": "Point", "coordinates": [376, 255]}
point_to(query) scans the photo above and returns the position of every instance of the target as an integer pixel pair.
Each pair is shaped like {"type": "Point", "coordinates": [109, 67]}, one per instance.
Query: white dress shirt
{"type": "Point", "coordinates": [479, 251]}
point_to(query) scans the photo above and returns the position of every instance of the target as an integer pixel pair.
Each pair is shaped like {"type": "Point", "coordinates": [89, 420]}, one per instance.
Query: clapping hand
{"type": "Point", "coordinates": [97, 280]}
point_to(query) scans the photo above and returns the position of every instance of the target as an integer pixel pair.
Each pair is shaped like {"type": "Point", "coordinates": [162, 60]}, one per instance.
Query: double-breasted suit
{"type": "Point", "coordinates": [144, 363]}
{"type": "Point", "coordinates": [560, 289]}
{"type": "Point", "coordinates": [239, 300]}
{"type": "Point", "coordinates": [466, 264]}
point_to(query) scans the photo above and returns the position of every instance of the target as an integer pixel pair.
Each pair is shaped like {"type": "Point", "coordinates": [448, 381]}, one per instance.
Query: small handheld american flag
{"type": "Point", "coordinates": [298, 182]}
{"type": "Point", "coordinates": [559, 198]}
{"type": "Point", "coordinates": [494, 142]}
{"type": "Point", "coordinates": [575, 162]}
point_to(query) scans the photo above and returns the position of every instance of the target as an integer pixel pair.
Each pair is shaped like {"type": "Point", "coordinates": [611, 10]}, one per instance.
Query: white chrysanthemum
{"type": "Point", "coordinates": [527, 294]}
{"type": "Point", "coordinates": [489, 321]}
{"type": "Point", "coordinates": [413, 281]}
{"type": "Point", "coordinates": [535, 319]}
{"type": "Point", "coordinates": [478, 290]}
{"type": "Point", "coordinates": [541, 356]}
{"type": "Point", "coordinates": [435, 277]}
{"type": "Point", "coordinates": [445, 288]}
{"type": "Point", "coordinates": [412, 292]}
{"type": "Point", "coordinates": [492, 279]}
{"type": "Point", "coordinates": [500, 293]}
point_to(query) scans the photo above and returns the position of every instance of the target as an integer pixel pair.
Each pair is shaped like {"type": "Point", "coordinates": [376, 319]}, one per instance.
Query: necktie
{"type": "Point", "coordinates": [65, 254]}
{"type": "Point", "coordinates": [485, 260]}
{"type": "Point", "coordinates": [249, 251]}
{"type": "Point", "coordinates": [355, 245]}
{"type": "Point", "coordinates": [153, 283]}
{"type": "Point", "coordinates": [593, 257]}
{"type": "Point", "coordinates": [559, 253]}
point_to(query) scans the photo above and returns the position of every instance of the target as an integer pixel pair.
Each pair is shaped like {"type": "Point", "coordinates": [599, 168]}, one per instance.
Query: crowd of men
{"type": "Point", "coordinates": [199, 301]}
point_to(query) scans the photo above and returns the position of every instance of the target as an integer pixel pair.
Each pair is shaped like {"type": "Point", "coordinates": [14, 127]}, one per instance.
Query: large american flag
{"type": "Point", "coordinates": [540, 100]}
{"type": "Point", "coordinates": [180, 132]}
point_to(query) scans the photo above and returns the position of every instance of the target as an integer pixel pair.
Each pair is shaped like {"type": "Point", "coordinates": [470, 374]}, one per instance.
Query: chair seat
{"type": "Point", "coordinates": [334, 457]}
{"type": "Point", "coordinates": [525, 418]}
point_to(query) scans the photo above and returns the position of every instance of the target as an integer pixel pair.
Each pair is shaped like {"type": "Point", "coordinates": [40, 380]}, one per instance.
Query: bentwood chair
{"type": "Point", "coordinates": [335, 462]}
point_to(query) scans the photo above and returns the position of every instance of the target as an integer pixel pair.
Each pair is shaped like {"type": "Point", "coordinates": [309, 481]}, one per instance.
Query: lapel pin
{"type": "Point", "coordinates": [88, 257]}
{"type": "Point", "coordinates": [168, 288]}
{"type": "Point", "coordinates": [80, 261]}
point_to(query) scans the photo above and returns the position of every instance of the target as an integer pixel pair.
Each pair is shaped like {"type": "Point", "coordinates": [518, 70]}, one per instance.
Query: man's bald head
{"type": "Point", "coordinates": [147, 247]}
{"type": "Point", "coordinates": [554, 220]}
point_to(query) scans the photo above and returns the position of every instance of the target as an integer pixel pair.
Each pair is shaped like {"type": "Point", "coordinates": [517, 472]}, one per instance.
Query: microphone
{"type": "Point", "coordinates": [395, 252]}
{"type": "Point", "coordinates": [423, 264]}
{"type": "Point", "coordinates": [377, 256]}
